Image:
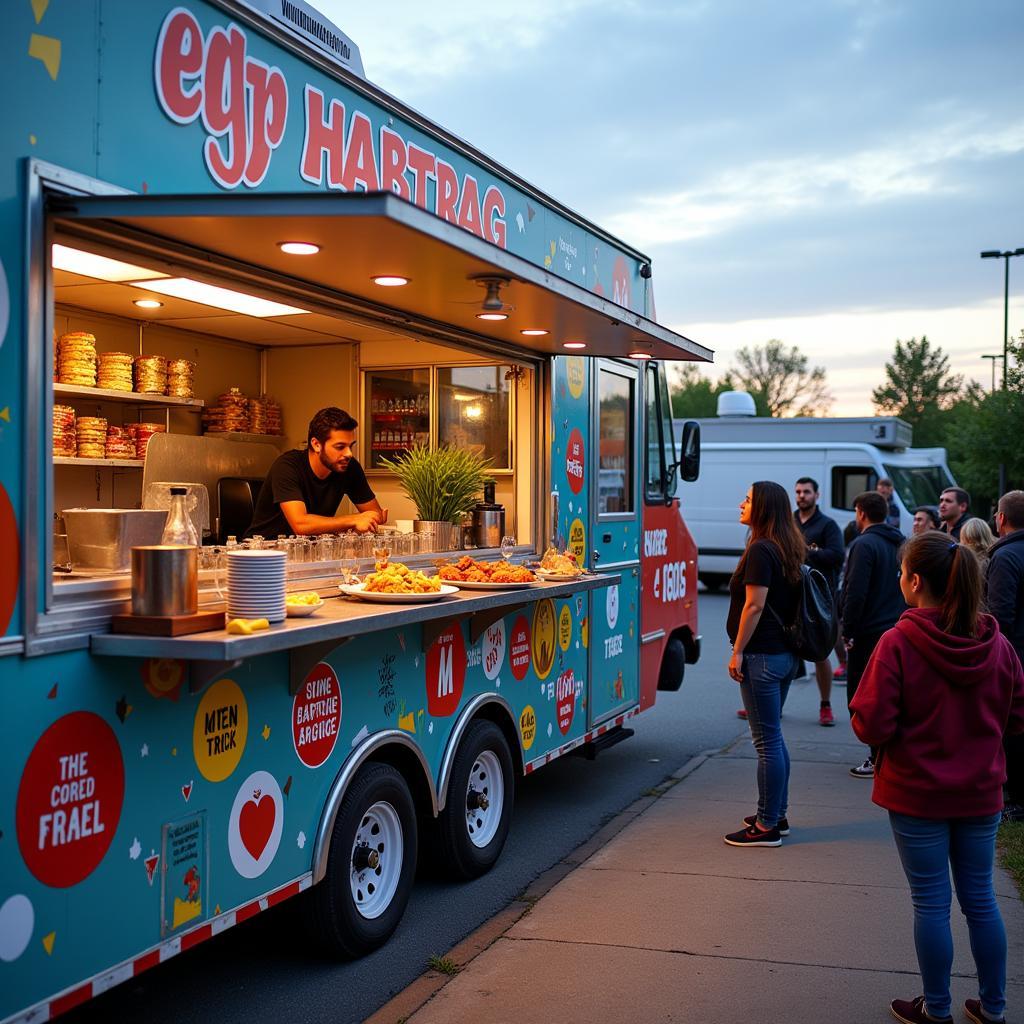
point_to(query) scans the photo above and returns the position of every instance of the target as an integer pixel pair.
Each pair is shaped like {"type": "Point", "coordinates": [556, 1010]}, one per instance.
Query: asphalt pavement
{"type": "Point", "coordinates": [264, 970]}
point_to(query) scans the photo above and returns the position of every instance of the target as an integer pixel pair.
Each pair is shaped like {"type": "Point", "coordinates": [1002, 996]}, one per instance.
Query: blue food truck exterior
{"type": "Point", "coordinates": [157, 791]}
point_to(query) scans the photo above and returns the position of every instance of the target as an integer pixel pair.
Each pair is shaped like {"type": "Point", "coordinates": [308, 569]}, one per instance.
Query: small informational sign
{"type": "Point", "coordinates": [184, 876]}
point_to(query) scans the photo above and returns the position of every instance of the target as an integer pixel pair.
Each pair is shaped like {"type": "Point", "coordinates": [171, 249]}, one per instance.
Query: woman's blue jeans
{"type": "Point", "coordinates": [928, 847]}
{"type": "Point", "coordinates": [766, 679]}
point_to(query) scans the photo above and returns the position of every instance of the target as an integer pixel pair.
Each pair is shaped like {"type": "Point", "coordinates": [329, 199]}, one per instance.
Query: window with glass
{"type": "Point", "coordinates": [919, 485]}
{"type": "Point", "coordinates": [660, 446]}
{"type": "Point", "coordinates": [397, 412]}
{"type": "Point", "coordinates": [849, 481]}
{"type": "Point", "coordinates": [473, 410]}
{"type": "Point", "coordinates": [615, 443]}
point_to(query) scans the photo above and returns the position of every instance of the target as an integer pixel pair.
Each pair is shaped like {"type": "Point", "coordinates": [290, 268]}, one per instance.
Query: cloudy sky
{"type": "Point", "coordinates": [821, 171]}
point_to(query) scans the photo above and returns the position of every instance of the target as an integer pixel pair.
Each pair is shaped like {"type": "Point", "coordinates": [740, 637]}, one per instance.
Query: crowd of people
{"type": "Point", "coordinates": [930, 644]}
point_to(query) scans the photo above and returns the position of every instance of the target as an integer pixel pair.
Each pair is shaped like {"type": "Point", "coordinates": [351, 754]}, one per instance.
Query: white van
{"type": "Point", "coordinates": [844, 455]}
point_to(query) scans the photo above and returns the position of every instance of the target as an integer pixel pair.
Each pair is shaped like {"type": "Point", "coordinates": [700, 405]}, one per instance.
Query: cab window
{"type": "Point", "coordinates": [615, 443]}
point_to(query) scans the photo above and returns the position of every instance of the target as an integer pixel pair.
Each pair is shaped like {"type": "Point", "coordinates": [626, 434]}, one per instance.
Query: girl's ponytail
{"type": "Point", "coordinates": [953, 575]}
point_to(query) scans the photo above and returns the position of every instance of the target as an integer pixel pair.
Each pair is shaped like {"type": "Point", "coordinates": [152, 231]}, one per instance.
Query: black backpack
{"type": "Point", "coordinates": [812, 634]}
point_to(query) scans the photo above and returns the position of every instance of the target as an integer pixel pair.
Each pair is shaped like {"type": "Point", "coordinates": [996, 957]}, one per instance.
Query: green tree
{"type": "Point", "coordinates": [780, 380]}
{"type": "Point", "coordinates": [919, 387]}
{"type": "Point", "coordinates": [694, 396]}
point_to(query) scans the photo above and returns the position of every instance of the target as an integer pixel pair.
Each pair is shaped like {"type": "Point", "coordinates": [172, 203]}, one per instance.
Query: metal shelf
{"type": "Point", "coordinates": [128, 397]}
{"type": "Point", "coordinates": [63, 460]}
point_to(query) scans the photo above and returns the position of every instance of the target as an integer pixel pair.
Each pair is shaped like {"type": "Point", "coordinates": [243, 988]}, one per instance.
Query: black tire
{"type": "Point", "coordinates": [340, 925]}
{"type": "Point", "coordinates": [458, 855]}
{"type": "Point", "coordinates": [673, 665]}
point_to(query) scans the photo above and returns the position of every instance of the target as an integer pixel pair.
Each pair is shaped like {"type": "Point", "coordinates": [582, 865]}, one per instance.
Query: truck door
{"type": "Point", "coordinates": [615, 521]}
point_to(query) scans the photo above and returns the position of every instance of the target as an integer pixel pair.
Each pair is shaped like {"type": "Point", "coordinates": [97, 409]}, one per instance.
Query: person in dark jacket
{"type": "Point", "coordinates": [825, 553]}
{"type": "Point", "coordinates": [885, 489]}
{"type": "Point", "coordinates": [954, 510]}
{"type": "Point", "coordinates": [940, 691]}
{"type": "Point", "coordinates": [926, 517]}
{"type": "Point", "coordinates": [872, 602]}
{"type": "Point", "coordinates": [1005, 598]}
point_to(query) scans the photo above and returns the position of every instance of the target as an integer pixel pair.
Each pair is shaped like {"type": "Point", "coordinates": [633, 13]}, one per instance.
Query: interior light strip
{"type": "Point", "coordinates": [220, 298]}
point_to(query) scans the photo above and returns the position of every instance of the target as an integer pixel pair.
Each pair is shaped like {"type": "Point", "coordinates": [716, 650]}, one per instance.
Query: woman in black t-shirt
{"type": "Point", "coordinates": [763, 596]}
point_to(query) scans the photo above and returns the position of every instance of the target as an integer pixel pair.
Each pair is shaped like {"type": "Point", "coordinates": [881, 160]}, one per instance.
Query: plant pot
{"type": "Point", "coordinates": [444, 535]}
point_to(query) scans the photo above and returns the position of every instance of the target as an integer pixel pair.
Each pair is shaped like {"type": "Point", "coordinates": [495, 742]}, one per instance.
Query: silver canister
{"type": "Point", "coordinates": [165, 580]}
{"type": "Point", "coordinates": [489, 526]}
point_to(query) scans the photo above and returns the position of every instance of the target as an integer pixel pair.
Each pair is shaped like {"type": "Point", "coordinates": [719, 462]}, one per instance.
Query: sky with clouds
{"type": "Point", "coordinates": [825, 172]}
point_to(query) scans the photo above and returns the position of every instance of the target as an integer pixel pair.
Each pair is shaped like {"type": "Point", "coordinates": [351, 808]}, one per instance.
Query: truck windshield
{"type": "Point", "coordinates": [919, 485]}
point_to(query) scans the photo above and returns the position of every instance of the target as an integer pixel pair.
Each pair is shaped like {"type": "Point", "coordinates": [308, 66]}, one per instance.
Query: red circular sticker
{"type": "Point", "coordinates": [316, 716]}
{"type": "Point", "coordinates": [446, 672]}
{"type": "Point", "coordinates": [519, 648]}
{"type": "Point", "coordinates": [70, 798]}
{"type": "Point", "coordinates": [574, 461]}
{"type": "Point", "coordinates": [10, 562]}
{"type": "Point", "coordinates": [565, 695]}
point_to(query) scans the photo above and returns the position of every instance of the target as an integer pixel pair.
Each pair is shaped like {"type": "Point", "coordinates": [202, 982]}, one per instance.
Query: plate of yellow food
{"type": "Point", "coordinates": [556, 567]}
{"type": "Point", "coordinates": [395, 583]}
{"type": "Point", "coordinates": [300, 605]}
{"type": "Point", "coordinates": [469, 574]}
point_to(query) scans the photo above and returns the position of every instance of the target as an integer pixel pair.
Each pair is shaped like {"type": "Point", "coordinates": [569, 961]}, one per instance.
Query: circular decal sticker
{"type": "Point", "coordinates": [9, 545]}
{"type": "Point", "coordinates": [578, 541]}
{"type": "Point", "coordinates": [612, 605]}
{"type": "Point", "coordinates": [565, 695]}
{"type": "Point", "coordinates": [316, 716]}
{"type": "Point", "coordinates": [255, 825]}
{"type": "Point", "coordinates": [564, 627]}
{"type": "Point", "coordinates": [70, 798]}
{"type": "Point", "coordinates": [543, 638]}
{"type": "Point", "coordinates": [494, 649]}
{"type": "Point", "coordinates": [574, 461]}
{"type": "Point", "coordinates": [528, 727]}
{"type": "Point", "coordinates": [575, 372]}
{"type": "Point", "coordinates": [519, 648]}
{"type": "Point", "coordinates": [163, 677]}
{"type": "Point", "coordinates": [446, 672]}
{"type": "Point", "coordinates": [17, 919]}
{"type": "Point", "coordinates": [220, 730]}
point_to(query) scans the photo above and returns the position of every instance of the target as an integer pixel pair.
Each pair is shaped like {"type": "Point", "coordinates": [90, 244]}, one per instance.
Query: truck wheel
{"type": "Point", "coordinates": [673, 665]}
{"type": "Point", "coordinates": [371, 865]}
{"type": "Point", "coordinates": [474, 824]}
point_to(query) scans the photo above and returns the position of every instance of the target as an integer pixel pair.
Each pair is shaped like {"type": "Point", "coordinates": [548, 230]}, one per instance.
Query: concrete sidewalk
{"type": "Point", "coordinates": [666, 923]}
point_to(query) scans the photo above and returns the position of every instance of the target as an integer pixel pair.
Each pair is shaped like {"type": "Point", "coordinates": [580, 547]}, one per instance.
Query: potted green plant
{"type": "Point", "coordinates": [444, 484]}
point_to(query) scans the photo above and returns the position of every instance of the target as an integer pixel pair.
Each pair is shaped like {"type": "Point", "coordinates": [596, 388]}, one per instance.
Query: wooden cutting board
{"type": "Point", "coordinates": [167, 625]}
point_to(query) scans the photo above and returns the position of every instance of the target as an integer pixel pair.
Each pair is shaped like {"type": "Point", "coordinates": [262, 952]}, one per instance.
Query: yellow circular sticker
{"type": "Point", "coordinates": [575, 371]}
{"type": "Point", "coordinates": [528, 727]}
{"type": "Point", "coordinates": [543, 638]}
{"type": "Point", "coordinates": [220, 730]}
{"type": "Point", "coordinates": [565, 628]}
{"type": "Point", "coordinates": [578, 541]}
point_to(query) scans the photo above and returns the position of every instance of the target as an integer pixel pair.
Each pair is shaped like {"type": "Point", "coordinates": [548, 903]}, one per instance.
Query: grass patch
{"type": "Point", "coordinates": [1010, 842]}
{"type": "Point", "coordinates": [443, 965]}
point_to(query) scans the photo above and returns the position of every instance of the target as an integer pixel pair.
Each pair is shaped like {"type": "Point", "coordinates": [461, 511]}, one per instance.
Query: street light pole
{"type": "Point", "coordinates": [993, 358]}
{"type": "Point", "coordinates": [990, 254]}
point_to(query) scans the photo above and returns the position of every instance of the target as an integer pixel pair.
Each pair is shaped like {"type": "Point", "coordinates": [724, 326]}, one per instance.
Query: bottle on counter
{"type": "Point", "coordinates": [179, 528]}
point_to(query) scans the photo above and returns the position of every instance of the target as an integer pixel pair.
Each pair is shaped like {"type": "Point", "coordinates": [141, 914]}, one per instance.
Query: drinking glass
{"type": "Point", "coordinates": [508, 546]}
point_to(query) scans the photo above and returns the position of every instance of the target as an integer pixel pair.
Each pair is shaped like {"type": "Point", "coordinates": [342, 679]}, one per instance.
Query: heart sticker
{"type": "Point", "coordinates": [256, 824]}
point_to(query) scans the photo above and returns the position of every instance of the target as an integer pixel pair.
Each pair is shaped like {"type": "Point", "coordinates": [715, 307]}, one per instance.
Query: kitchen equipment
{"type": "Point", "coordinates": [102, 538]}
{"type": "Point", "coordinates": [488, 520]}
{"type": "Point", "coordinates": [436, 536]}
{"type": "Point", "coordinates": [165, 580]}
{"type": "Point", "coordinates": [157, 494]}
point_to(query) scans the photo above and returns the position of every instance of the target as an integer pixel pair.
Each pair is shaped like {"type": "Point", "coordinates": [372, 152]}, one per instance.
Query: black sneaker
{"type": "Point", "coordinates": [912, 1011]}
{"type": "Point", "coordinates": [753, 836]}
{"type": "Point", "coordinates": [782, 826]}
{"type": "Point", "coordinates": [864, 771]}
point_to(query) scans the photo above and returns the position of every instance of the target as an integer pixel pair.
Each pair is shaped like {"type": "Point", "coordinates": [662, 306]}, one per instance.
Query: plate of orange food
{"type": "Point", "coordinates": [395, 583]}
{"type": "Point", "coordinates": [469, 574]}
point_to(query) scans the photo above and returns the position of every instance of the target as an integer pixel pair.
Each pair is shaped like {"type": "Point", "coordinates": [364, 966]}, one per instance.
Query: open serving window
{"type": "Point", "coordinates": [377, 311]}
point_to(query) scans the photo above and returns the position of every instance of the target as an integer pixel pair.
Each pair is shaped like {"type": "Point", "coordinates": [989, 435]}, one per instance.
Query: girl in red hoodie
{"type": "Point", "coordinates": [941, 689]}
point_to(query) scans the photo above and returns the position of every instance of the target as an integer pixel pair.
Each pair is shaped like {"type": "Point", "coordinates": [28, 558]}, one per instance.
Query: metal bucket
{"type": "Point", "coordinates": [165, 580]}
{"type": "Point", "coordinates": [443, 536]}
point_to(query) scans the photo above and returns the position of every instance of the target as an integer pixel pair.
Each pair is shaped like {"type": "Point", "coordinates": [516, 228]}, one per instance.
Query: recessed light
{"type": "Point", "coordinates": [574, 344]}
{"type": "Point", "coordinates": [492, 316]}
{"type": "Point", "coordinates": [534, 332]}
{"type": "Point", "coordinates": [390, 281]}
{"type": "Point", "coordinates": [147, 303]}
{"type": "Point", "coordinates": [299, 248]}
{"type": "Point", "coordinates": [640, 350]}
{"type": "Point", "coordinates": [220, 298]}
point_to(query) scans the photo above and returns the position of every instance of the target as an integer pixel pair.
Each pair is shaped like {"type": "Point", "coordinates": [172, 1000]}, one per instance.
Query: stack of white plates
{"type": "Point", "coordinates": [256, 584]}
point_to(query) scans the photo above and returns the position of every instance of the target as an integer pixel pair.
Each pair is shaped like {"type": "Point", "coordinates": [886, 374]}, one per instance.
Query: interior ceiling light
{"type": "Point", "coordinates": [299, 248]}
{"type": "Point", "coordinates": [148, 303]}
{"type": "Point", "coordinates": [390, 281]}
{"type": "Point", "coordinates": [462, 397]}
{"type": "Point", "coordinates": [492, 316]}
{"type": "Point", "coordinates": [640, 350]}
{"type": "Point", "coordinates": [90, 264]}
{"type": "Point", "coordinates": [574, 344]}
{"type": "Point", "coordinates": [220, 298]}
{"type": "Point", "coordinates": [534, 332]}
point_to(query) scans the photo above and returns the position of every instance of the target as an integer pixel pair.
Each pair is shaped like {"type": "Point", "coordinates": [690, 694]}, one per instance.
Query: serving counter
{"type": "Point", "coordinates": [307, 640]}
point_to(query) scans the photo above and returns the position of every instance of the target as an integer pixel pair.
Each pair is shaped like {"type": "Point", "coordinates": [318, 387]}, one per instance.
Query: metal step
{"type": "Point", "coordinates": [603, 742]}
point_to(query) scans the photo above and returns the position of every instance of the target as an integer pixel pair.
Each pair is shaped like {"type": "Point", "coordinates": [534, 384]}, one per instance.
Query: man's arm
{"type": "Point", "coordinates": [1004, 585]}
{"type": "Point", "coordinates": [855, 587]}
{"type": "Point", "coordinates": [304, 523]}
{"type": "Point", "coordinates": [828, 556]}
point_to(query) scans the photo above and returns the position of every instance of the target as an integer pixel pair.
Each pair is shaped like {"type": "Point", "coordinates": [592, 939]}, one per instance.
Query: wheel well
{"type": "Point", "coordinates": [499, 716]}
{"type": "Point", "coordinates": [404, 760]}
{"type": "Point", "coordinates": [685, 635]}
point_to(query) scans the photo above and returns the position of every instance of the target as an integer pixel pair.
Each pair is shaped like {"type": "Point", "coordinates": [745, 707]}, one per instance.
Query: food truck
{"type": "Point", "coordinates": [212, 226]}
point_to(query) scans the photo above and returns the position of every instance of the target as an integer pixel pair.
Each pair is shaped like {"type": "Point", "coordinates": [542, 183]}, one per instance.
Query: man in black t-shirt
{"type": "Point", "coordinates": [304, 487]}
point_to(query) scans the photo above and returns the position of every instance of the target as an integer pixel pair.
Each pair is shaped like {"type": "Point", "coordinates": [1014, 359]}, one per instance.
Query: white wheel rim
{"type": "Point", "coordinates": [374, 885]}
{"type": "Point", "coordinates": [485, 780]}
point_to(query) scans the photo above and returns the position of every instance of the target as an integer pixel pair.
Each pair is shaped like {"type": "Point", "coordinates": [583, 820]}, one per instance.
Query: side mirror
{"type": "Point", "coordinates": [689, 449]}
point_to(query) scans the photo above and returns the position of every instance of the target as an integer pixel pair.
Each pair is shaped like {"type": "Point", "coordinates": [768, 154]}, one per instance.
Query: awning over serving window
{"type": "Point", "coordinates": [236, 238]}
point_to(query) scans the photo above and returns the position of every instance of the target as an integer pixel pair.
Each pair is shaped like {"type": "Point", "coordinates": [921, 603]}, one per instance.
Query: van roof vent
{"type": "Point", "coordinates": [736, 403]}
